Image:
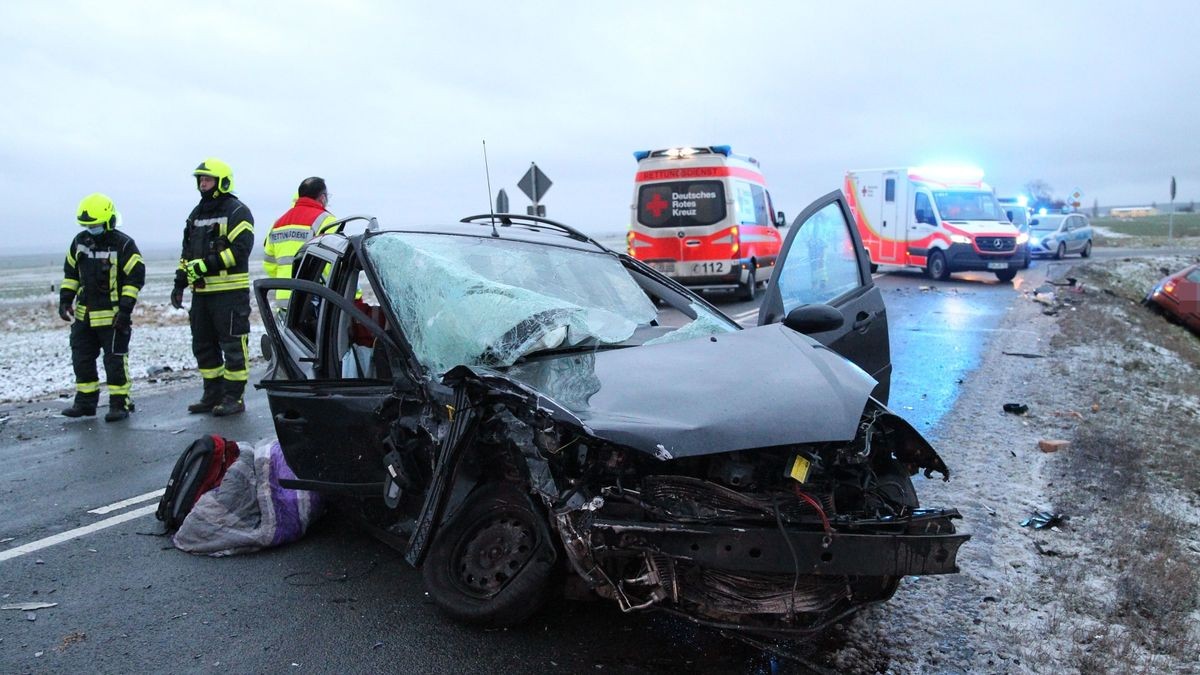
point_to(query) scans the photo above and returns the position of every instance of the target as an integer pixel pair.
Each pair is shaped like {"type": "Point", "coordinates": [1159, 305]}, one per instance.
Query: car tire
{"type": "Point", "coordinates": [1087, 249]}
{"type": "Point", "coordinates": [1061, 251]}
{"type": "Point", "coordinates": [874, 268]}
{"type": "Point", "coordinates": [936, 267]}
{"type": "Point", "coordinates": [491, 563]}
{"type": "Point", "coordinates": [1006, 275]}
{"type": "Point", "coordinates": [749, 290]}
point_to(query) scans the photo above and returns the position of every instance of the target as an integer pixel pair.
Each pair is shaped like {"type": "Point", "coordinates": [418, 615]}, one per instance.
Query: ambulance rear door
{"type": "Point", "coordinates": [680, 215]}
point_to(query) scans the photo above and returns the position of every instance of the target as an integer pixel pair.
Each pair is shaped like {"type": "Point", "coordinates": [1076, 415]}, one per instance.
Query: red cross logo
{"type": "Point", "coordinates": [656, 205]}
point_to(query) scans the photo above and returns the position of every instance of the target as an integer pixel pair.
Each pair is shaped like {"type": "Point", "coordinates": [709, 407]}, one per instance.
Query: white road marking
{"type": "Point", "coordinates": [127, 502]}
{"type": "Point", "coordinates": [76, 533]}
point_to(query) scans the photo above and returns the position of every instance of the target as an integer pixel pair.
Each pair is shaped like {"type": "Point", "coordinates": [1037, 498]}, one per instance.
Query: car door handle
{"type": "Point", "coordinates": [289, 419]}
{"type": "Point", "coordinates": [863, 320]}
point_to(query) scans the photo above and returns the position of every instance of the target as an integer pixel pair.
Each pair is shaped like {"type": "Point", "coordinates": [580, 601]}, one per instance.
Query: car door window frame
{"type": "Point", "coordinates": [771, 310]}
{"type": "Point", "coordinates": [263, 286]}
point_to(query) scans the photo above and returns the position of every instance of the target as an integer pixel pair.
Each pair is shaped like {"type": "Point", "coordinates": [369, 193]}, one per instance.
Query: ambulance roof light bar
{"type": "Point", "coordinates": [684, 152]}
{"type": "Point", "coordinates": [947, 174]}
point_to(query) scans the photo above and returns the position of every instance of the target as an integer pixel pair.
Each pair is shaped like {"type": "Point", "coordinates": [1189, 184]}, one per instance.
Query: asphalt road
{"type": "Point", "coordinates": [338, 601]}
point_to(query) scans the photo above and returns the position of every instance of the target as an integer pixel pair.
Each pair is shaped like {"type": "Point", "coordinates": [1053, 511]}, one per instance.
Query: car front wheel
{"type": "Point", "coordinates": [936, 267]}
{"type": "Point", "coordinates": [491, 563]}
{"type": "Point", "coordinates": [1087, 249]}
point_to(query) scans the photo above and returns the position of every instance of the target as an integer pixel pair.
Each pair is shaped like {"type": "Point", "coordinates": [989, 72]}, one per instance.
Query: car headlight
{"type": "Point", "coordinates": [960, 239]}
{"type": "Point", "coordinates": [1034, 241]}
{"type": "Point", "coordinates": [1022, 238]}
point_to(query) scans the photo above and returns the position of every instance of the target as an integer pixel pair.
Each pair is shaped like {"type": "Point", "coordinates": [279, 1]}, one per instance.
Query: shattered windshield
{"type": "Point", "coordinates": [464, 300]}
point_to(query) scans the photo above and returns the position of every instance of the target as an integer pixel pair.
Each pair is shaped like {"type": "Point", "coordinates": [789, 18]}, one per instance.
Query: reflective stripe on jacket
{"type": "Point", "coordinates": [220, 232]}
{"type": "Point", "coordinates": [302, 222]}
{"type": "Point", "coordinates": [102, 274]}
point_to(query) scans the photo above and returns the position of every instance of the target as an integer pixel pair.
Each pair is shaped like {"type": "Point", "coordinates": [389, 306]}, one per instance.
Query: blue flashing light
{"type": "Point", "coordinates": [721, 149]}
{"type": "Point", "coordinates": [1022, 200]}
{"type": "Point", "coordinates": [639, 155]}
{"type": "Point", "coordinates": [1042, 211]}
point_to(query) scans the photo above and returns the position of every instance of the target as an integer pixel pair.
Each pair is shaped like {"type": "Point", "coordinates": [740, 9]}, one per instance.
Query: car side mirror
{"type": "Point", "coordinates": [815, 318]}
{"type": "Point", "coordinates": [780, 219]}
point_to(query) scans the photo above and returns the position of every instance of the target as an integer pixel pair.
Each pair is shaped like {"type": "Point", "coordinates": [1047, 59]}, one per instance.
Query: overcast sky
{"type": "Point", "coordinates": [389, 101]}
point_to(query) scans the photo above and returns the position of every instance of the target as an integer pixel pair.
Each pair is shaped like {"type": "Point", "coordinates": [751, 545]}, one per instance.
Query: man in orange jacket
{"type": "Point", "coordinates": [306, 219]}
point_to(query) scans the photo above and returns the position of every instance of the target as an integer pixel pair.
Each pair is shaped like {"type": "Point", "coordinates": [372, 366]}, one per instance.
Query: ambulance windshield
{"type": "Point", "coordinates": [968, 205]}
{"type": "Point", "coordinates": [464, 300]}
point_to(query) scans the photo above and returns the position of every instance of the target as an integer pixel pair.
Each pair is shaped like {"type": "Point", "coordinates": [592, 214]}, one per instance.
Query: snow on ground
{"type": "Point", "coordinates": [35, 362]}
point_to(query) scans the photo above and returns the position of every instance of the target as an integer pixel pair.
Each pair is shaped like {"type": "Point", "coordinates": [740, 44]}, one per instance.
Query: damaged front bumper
{"type": "Point", "coordinates": [926, 546]}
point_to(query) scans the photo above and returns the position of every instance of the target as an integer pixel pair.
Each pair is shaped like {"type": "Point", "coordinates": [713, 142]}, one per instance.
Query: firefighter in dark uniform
{"type": "Point", "coordinates": [217, 240]}
{"type": "Point", "coordinates": [102, 275]}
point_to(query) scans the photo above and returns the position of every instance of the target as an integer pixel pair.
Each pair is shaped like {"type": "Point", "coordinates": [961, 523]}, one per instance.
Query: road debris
{"type": "Point", "coordinates": [29, 606]}
{"type": "Point", "coordinates": [1044, 520]}
{"type": "Point", "coordinates": [1016, 408]}
{"type": "Point", "coordinates": [1026, 355]}
{"type": "Point", "coordinates": [1052, 445]}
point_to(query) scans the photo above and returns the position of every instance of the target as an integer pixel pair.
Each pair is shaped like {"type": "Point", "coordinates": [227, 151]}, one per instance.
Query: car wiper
{"type": "Point", "coordinates": [576, 349]}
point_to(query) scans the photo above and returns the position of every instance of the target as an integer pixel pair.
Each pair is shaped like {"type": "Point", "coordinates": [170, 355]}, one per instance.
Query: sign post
{"type": "Point", "coordinates": [1171, 218]}
{"type": "Point", "coordinates": [535, 185]}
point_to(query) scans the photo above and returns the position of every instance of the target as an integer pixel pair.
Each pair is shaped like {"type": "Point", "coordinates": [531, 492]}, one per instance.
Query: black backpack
{"type": "Point", "coordinates": [200, 468]}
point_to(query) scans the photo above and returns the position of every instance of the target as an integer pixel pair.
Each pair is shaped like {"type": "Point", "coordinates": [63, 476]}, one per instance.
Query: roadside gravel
{"type": "Point", "coordinates": [1114, 589]}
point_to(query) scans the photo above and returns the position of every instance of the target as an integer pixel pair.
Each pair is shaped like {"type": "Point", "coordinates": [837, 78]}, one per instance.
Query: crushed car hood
{"type": "Point", "coordinates": [755, 388]}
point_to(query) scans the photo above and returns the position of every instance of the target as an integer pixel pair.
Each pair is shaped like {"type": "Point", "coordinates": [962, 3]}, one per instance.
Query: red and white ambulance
{"type": "Point", "coordinates": [703, 216]}
{"type": "Point", "coordinates": [940, 218]}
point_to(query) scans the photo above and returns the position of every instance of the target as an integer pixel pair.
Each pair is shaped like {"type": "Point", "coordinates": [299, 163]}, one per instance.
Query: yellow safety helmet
{"type": "Point", "coordinates": [219, 170]}
{"type": "Point", "coordinates": [96, 209]}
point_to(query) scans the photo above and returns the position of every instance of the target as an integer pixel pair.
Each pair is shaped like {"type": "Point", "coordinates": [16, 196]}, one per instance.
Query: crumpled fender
{"type": "Point", "coordinates": [910, 447]}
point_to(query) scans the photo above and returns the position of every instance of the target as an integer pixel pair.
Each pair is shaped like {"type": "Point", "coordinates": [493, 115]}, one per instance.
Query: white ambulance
{"type": "Point", "coordinates": [942, 219]}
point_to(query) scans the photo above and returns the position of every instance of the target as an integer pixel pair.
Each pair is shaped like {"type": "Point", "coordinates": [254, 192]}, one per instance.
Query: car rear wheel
{"type": "Point", "coordinates": [749, 290]}
{"type": "Point", "coordinates": [1061, 251]}
{"type": "Point", "coordinates": [1087, 249]}
{"type": "Point", "coordinates": [1006, 275]}
{"type": "Point", "coordinates": [491, 564]}
{"type": "Point", "coordinates": [936, 267]}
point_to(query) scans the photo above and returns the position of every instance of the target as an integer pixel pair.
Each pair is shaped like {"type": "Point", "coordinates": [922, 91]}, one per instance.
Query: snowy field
{"type": "Point", "coordinates": [36, 358]}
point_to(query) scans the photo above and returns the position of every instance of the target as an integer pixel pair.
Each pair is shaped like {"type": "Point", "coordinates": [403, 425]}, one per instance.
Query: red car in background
{"type": "Point", "coordinates": [1178, 296]}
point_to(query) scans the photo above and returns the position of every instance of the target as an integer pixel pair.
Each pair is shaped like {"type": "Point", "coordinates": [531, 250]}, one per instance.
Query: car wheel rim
{"type": "Point", "coordinates": [492, 554]}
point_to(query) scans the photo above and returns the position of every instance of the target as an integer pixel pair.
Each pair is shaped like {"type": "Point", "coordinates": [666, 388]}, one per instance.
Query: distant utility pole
{"type": "Point", "coordinates": [1171, 218]}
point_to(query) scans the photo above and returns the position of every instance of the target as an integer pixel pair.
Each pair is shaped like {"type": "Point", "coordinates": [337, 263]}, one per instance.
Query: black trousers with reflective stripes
{"type": "Point", "coordinates": [220, 330]}
{"type": "Point", "coordinates": [86, 345]}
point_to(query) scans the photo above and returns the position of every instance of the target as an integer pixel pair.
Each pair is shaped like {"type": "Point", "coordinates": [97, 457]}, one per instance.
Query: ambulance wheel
{"type": "Point", "coordinates": [1061, 251]}
{"type": "Point", "coordinates": [936, 267]}
{"type": "Point", "coordinates": [874, 268]}
{"type": "Point", "coordinates": [1006, 275]}
{"type": "Point", "coordinates": [749, 290]}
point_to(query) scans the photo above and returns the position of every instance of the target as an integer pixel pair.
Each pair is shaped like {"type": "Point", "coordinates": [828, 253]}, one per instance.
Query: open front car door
{"type": "Point", "coordinates": [824, 271]}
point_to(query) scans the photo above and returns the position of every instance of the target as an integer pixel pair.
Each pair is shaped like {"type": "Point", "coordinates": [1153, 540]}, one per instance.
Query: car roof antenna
{"type": "Point", "coordinates": [488, 174]}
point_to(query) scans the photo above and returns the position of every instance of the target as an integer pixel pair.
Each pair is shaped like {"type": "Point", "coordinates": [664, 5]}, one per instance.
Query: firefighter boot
{"type": "Point", "coordinates": [119, 407]}
{"type": "Point", "coordinates": [230, 406]}
{"type": "Point", "coordinates": [84, 405]}
{"type": "Point", "coordinates": [232, 403]}
{"type": "Point", "coordinates": [213, 390]}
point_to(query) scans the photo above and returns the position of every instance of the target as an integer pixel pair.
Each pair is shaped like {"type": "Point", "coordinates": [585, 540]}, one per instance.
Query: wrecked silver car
{"type": "Point", "coordinates": [505, 399]}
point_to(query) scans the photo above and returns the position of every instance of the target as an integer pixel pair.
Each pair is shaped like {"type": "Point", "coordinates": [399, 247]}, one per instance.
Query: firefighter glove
{"type": "Point", "coordinates": [177, 297]}
{"type": "Point", "coordinates": [123, 322]}
{"type": "Point", "coordinates": [65, 311]}
{"type": "Point", "coordinates": [196, 269]}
